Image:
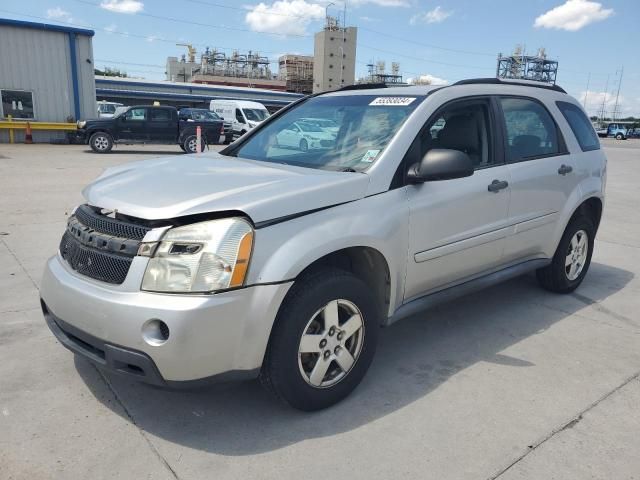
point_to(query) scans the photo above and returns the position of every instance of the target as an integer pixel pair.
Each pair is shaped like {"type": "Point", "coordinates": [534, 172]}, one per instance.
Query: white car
{"type": "Point", "coordinates": [325, 124]}
{"type": "Point", "coordinates": [305, 136]}
{"type": "Point", "coordinates": [107, 109]}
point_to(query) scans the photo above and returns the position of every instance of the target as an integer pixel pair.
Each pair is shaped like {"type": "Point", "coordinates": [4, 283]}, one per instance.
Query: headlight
{"type": "Point", "coordinates": [81, 123]}
{"type": "Point", "coordinates": [202, 257]}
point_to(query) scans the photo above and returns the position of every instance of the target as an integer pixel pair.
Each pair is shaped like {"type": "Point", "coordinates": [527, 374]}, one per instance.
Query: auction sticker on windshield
{"type": "Point", "coordinates": [370, 156]}
{"type": "Point", "coordinates": [393, 101]}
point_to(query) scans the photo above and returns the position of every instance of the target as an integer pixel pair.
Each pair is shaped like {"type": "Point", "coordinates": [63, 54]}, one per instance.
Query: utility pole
{"type": "Point", "coordinates": [586, 92]}
{"type": "Point", "coordinates": [604, 99]}
{"type": "Point", "coordinates": [615, 108]}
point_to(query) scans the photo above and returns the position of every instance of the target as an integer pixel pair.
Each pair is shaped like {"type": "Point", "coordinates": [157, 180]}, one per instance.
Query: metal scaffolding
{"type": "Point", "coordinates": [377, 74]}
{"type": "Point", "coordinates": [297, 71]}
{"type": "Point", "coordinates": [527, 67]}
{"type": "Point", "coordinates": [239, 65]}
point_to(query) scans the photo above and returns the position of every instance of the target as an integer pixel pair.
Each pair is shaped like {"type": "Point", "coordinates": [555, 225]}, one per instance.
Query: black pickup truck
{"type": "Point", "coordinates": [148, 124]}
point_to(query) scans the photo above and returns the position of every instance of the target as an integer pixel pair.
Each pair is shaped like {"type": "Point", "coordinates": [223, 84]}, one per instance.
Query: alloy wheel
{"type": "Point", "coordinates": [331, 343]}
{"type": "Point", "coordinates": [576, 255]}
{"type": "Point", "coordinates": [101, 142]}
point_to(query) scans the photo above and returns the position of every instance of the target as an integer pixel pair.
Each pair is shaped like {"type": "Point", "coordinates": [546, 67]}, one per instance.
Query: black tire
{"type": "Point", "coordinates": [190, 143]}
{"type": "Point", "coordinates": [304, 145]}
{"type": "Point", "coordinates": [101, 142]}
{"type": "Point", "coordinates": [182, 148]}
{"type": "Point", "coordinates": [555, 277]}
{"type": "Point", "coordinates": [282, 369]}
{"type": "Point", "coordinates": [619, 136]}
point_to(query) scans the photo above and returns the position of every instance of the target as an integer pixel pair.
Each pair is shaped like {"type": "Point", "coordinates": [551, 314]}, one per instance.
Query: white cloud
{"type": "Point", "coordinates": [152, 38]}
{"type": "Point", "coordinates": [437, 15]}
{"type": "Point", "coordinates": [122, 6]}
{"type": "Point", "coordinates": [111, 28]}
{"type": "Point", "coordinates": [427, 79]}
{"type": "Point", "coordinates": [369, 19]}
{"type": "Point", "coordinates": [381, 3]}
{"type": "Point", "coordinates": [283, 17]}
{"type": "Point", "coordinates": [59, 14]}
{"type": "Point", "coordinates": [573, 15]}
{"type": "Point", "coordinates": [626, 106]}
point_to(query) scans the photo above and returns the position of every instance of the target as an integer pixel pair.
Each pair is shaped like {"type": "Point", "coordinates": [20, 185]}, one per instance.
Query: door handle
{"type": "Point", "coordinates": [497, 185]}
{"type": "Point", "coordinates": [564, 169]}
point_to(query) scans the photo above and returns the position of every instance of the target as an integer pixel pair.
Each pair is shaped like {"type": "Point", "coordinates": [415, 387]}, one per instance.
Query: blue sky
{"type": "Point", "coordinates": [448, 40]}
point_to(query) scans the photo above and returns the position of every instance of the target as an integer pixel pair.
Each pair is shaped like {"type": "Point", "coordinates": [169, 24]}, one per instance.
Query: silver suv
{"type": "Point", "coordinates": [282, 262]}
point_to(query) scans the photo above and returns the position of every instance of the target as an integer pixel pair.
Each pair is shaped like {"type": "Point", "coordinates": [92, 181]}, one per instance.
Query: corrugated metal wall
{"type": "Point", "coordinates": [39, 61]}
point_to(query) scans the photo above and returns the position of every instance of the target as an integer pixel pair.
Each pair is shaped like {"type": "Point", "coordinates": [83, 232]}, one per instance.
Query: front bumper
{"type": "Point", "coordinates": [220, 336]}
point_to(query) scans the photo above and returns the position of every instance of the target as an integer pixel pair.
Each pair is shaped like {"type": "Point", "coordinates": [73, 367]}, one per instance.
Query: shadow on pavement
{"type": "Point", "coordinates": [414, 357]}
{"type": "Point", "coordinates": [141, 151]}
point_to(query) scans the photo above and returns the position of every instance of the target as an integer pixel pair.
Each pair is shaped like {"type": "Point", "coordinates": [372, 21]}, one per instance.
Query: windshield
{"type": "Point", "coordinates": [119, 111]}
{"type": "Point", "coordinates": [107, 108]}
{"type": "Point", "coordinates": [307, 127]}
{"type": "Point", "coordinates": [255, 114]}
{"type": "Point", "coordinates": [361, 127]}
{"type": "Point", "coordinates": [204, 115]}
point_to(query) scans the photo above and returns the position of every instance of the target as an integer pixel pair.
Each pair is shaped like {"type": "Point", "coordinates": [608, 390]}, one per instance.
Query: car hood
{"type": "Point", "coordinates": [99, 121]}
{"type": "Point", "coordinates": [321, 135]}
{"type": "Point", "coordinates": [172, 187]}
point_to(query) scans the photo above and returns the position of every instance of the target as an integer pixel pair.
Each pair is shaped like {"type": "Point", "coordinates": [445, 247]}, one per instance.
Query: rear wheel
{"type": "Point", "coordinates": [101, 142]}
{"type": "Point", "coordinates": [572, 258]}
{"type": "Point", "coordinates": [190, 143]}
{"type": "Point", "coordinates": [323, 340]}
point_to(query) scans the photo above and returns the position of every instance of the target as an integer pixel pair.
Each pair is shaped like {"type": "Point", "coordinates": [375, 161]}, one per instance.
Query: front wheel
{"type": "Point", "coordinates": [572, 258]}
{"type": "Point", "coordinates": [323, 340]}
{"type": "Point", "coordinates": [619, 136]}
{"type": "Point", "coordinates": [101, 142]}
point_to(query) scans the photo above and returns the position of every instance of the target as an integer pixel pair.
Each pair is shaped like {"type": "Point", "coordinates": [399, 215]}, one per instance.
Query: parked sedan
{"type": "Point", "coordinates": [305, 136]}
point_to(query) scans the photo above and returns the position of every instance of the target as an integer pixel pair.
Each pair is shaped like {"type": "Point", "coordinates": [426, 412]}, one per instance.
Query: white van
{"type": "Point", "coordinates": [107, 109]}
{"type": "Point", "coordinates": [242, 114]}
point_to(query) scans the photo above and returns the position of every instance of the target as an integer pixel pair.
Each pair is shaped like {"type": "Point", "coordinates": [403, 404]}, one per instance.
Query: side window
{"type": "Point", "coordinates": [136, 114]}
{"type": "Point", "coordinates": [531, 132]}
{"type": "Point", "coordinates": [160, 115]}
{"type": "Point", "coordinates": [464, 127]}
{"type": "Point", "coordinates": [17, 103]}
{"type": "Point", "coordinates": [239, 116]}
{"type": "Point", "coordinates": [580, 126]}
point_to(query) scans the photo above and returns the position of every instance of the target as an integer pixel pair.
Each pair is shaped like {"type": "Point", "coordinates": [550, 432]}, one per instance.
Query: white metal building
{"type": "Point", "coordinates": [46, 74]}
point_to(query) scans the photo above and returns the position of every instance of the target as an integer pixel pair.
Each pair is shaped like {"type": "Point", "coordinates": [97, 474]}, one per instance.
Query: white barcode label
{"type": "Point", "coordinates": [393, 101]}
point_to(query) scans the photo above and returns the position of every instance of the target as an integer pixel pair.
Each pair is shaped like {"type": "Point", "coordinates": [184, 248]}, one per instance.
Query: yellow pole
{"type": "Point", "coordinates": [10, 130]}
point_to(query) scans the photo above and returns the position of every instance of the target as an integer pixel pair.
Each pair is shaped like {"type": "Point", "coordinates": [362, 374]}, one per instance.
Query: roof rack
{"type": "Point", "coordinates": [362, 86]}
{"type": "Point", "coordinates": [498, 81]}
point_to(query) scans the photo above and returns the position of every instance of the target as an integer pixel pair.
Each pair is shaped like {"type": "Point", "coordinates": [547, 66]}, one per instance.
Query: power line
{"type": "Point", "coordinates": [198, 24]}
{"type": "Point", "coordinates": [118, 62]}
{"type": "Point", "coordinates": [123, 34]}
{"type": "Point", "coordinates": [446, 49]}
{"type": "Point", "coordinates": [422, 59]}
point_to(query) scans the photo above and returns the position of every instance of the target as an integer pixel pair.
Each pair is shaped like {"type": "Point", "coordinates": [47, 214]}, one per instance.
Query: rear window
{"type": "Point", "coordinates": [580, 126]}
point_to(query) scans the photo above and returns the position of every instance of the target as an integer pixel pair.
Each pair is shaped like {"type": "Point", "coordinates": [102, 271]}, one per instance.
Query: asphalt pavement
{"type": "Point", "coordinates": [512, 382]}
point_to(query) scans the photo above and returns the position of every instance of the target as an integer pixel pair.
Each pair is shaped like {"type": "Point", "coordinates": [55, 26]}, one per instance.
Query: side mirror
{"type": "Point", "coordinates": [441, 164]}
